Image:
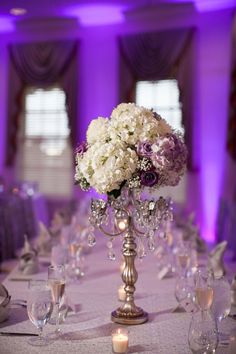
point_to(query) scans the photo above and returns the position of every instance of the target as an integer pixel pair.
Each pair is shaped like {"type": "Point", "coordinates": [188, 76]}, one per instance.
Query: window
{"type": "Point", "coordinates": [45, 154]}
{"type": "Point", "coordinates": [163, 97]}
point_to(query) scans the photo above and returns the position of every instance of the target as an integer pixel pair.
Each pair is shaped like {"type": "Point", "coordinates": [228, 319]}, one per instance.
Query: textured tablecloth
{"type": "Point", "coordinates": [89, 330]}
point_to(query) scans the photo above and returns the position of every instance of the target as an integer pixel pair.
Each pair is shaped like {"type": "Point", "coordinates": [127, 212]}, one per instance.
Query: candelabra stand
{"type": "Point", "coordinates": [133, 219]}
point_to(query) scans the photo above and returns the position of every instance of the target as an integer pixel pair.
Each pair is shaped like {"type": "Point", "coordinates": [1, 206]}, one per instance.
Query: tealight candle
{"type": "Point", "coordinates": [121, 293]}
{"type": "Point", "coordinates": [120, 340]}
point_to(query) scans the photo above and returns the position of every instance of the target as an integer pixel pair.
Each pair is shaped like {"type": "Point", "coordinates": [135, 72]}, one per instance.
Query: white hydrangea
{"type": "Point", "coordinates": [106, 166]}
{"type": "Point", "coordinates": [131, 124]}
{"type": "Point", "coordinates": [112, 146]}
{"type": "Point", "coordinates": [98, 130]}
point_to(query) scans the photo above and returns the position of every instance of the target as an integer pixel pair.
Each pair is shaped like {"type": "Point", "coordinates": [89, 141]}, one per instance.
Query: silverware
{"type": "Point", "coordinates": [17, 334]}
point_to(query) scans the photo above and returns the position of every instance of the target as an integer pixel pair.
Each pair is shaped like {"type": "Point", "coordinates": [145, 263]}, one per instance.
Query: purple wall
{"type": "Point", "coordinates": [213, 95]}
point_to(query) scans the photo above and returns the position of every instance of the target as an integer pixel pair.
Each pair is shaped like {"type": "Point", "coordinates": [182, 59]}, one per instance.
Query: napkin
{"type": "Point", "coordinates": [216, 259]}
{"type": "Point", "coordinates": [27, 246]}
{"type": "Point", "coordinates": [28, 263]}
{"type": "Point", "coordinates": [43, 242]}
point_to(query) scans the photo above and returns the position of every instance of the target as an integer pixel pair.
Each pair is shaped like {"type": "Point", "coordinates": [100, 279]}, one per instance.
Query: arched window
{"type": "Point", "coordinates": [45, 153]}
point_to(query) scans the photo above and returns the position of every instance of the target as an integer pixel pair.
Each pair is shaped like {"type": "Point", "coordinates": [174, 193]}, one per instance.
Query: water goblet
{"type": "Point", "coordinates": [76, 261]}
{"type": "Point", "coordinates": [56, 280]}
{"type": "Point", "coordinates": [204, 289]}
{"type": "Point", "coordinates": [183, 258]}
{"type": "Point", "coordinates": [203, 335]}
{"type": "Point", "coordinates": [184, 290]}
{"type": "Point", "coordinates": [221, 302]}
{"type": "Point", "coordinates": [185, 295]}
{"type": "Point", "coordinates": [39, 308]}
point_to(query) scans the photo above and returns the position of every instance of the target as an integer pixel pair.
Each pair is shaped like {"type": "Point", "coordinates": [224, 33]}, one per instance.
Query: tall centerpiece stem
{"type": "Point", "coordinates": [129, 313]}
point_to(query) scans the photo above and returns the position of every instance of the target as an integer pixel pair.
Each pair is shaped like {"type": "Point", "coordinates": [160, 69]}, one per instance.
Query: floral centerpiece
{"type": "Point", "coordinates": [134, 148]}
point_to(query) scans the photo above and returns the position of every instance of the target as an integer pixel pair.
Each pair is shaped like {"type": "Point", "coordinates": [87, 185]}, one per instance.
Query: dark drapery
{"type": "Point", "coordinates": [40, 65]}
{"type": "Point", "coordinates": [231, 138]}
{"type": "Point", "coordinates": [158, 56]}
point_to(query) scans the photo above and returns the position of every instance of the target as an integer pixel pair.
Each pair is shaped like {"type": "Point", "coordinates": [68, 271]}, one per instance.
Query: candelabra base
{"type": "Point", "coordinates": [123, 318]}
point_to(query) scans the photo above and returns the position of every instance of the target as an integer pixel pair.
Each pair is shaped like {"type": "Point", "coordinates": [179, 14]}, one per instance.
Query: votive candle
{"type": "Point", "coordinates": [120, 341]}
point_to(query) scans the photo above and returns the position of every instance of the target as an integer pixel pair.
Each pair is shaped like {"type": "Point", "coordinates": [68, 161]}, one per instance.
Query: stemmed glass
{"type": "Point", "coordinates": [75, 265]}
{"type": "Point", "coordinates": [39, 308]}
{"type": "Point", "coordinates": [184, 287]}
{"type": "Point", "coordinates": [56, 279]}
{"type": "Point", "coordinates": [204, 289]}
{"type": "Point", "coordinates": [203, 335]}
{"type": "Point", "coordinates": [222, 301]}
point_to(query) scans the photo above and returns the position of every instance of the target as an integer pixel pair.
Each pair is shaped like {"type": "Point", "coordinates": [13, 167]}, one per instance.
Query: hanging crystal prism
{"type": "Point", "coordinates": [141, 252]}
{"type": "Point", "coordinates": [111, 254]}
{"type": "Point", "coordinates": [151, 241]}
{"type": "Point", "coordinates": [91, 237]}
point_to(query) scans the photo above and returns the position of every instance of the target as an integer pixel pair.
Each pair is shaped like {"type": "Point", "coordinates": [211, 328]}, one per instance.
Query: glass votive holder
{"type": "Point", "coordinates": [120, 340]}
{"type": "Point", "coordinates": [121, 293]}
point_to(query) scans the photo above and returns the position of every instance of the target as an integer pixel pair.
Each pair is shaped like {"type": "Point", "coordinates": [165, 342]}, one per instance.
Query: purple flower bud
{"type": "Point", "coordinates": [81, 148]}
{"type": "Point", "coordinates": [149, 178]}
{"type": "Point", "coordinates": [144, 149]}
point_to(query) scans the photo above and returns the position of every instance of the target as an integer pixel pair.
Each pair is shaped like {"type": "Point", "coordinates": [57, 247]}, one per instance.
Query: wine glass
{"type": "Point", "coordinates": [56, 279]}
{"type": "Point", "coordinates": [222, 300]}
{"type": "Point", "coordinates": [184, 287]}
{"type": "Point", "coordinates": [76, 260]}
{"type": "Point", "coordinates": [183, 258]}
{"type": "Point", "coordinates": [204, 288]}
{"type": "Point", "coordinates": [39, 308]}
{"type": "Point", "coordinates": [203, 335]}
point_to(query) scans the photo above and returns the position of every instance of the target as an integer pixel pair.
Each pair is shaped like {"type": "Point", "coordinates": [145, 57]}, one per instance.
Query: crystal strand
{"type": "Point", "coordinates": [91, 237]}
{"type": "Point", "coordinates": [111, 254]}
{"type": "Point", "coordinates": [151, 244]}
{"type": "Point", "coordinates": [151, 241]}
{"type": "Point", "coordinates": [141, 253]}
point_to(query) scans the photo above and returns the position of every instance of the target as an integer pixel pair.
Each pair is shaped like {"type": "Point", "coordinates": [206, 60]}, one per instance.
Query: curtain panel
{"type": "Point", "coordinates": [41, 64]}
{"type": "Point", "coordinates": [231, 138]}
{"type": "Point", "coordinates": [158, 56]}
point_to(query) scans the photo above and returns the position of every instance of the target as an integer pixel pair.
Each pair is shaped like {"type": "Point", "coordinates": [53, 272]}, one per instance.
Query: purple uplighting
{"type": "Point", "coordinates": [94, 15]}
{"type": "Point", "coordinates": [6, 24]}
{"type": "Point", "coordinates": [208, 5]}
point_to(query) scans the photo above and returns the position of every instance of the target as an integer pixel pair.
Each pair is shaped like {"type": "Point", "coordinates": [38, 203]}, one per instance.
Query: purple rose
{"type": "Point", "coordinates": [81, 148]}
{"type": "Point", "coordinates": [144, 149]}
{"type": "Point", "coordinates": [149, 178]}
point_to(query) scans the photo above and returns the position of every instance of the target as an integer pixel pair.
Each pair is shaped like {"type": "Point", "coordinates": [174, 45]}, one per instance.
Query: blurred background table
{"type": "Point", "coordinates": [19, 215]}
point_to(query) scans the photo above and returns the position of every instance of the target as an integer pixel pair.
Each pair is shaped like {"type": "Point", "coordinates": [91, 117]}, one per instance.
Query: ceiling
{"type": "Point", "coordinates": [89, 12]}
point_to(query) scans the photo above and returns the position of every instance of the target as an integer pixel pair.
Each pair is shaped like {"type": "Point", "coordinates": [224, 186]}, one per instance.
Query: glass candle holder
{"type": "Point", "coordinates": [120, 340]}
